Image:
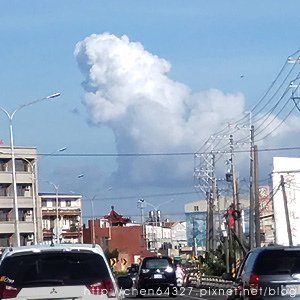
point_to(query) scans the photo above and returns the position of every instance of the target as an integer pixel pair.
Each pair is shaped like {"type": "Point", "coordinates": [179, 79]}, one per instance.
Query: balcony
{"type": "Point", "coordinates": [47, 233]}
{"type": "Point", "coordinates": [61, 212]}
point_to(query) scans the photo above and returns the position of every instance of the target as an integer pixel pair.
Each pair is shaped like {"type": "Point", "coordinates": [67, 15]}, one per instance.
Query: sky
{"type": "Point", "coordinates": [144, 85]}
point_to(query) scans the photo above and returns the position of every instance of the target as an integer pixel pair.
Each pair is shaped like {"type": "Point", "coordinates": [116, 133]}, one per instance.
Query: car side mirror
{"type": "Point", "coordinates": [124, 282]}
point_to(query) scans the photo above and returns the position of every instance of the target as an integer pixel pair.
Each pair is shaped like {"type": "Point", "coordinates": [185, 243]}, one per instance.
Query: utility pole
{"type": "Point", "coordinates": [256, 203]}
{"type": "Point", "coordinates": [251, 208]}
{"type": "Point", "coordinates": [141, 202]}
{"type": "Point", "coordinates": [286, 210]}
{"type": "Point", "coordinates": [213, 195]}
{"type": "Point", "coordinates": [194, 238]}
{"type": "Point", "coordinates": [208, 216]}
{"type": "Point", "coordinates": [239, 220]}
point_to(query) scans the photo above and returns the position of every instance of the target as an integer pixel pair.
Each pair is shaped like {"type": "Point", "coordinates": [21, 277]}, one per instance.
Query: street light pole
{"type": "Point", "coordinates": [34, 204]}
{"type": "Point", "coordinates": [10, 117]}
{"type": "Point", "coordinates": [93, 220]}
{"type": "Point", "coordinates": [156, 217]}
{"type": "Point", "coordinates": [56, 205]}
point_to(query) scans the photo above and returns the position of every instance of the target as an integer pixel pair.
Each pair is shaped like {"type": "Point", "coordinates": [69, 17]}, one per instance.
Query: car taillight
{"type": "Point", "coordinates": [102, 287]}
{"type": "Point", "coordinates": [8, 291]}
{"type": "Point", "coordinates": [253, 282]}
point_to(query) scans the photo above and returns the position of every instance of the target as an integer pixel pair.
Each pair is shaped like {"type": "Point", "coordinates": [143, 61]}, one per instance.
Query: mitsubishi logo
{"type": "Point", "coordinates": [53, 291]}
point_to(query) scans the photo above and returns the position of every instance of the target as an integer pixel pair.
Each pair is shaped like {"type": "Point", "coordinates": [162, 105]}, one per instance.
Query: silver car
{"type": "Point", "coordinates": [269, 273]}
{"type": "Point", "coordinates": [71, 271]}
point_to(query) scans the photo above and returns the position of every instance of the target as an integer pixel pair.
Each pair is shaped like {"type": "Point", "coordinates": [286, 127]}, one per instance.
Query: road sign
{"type": "Point", "coordinates": [113, 261]}
{"type": "Point", "coordinates": [124, 261]}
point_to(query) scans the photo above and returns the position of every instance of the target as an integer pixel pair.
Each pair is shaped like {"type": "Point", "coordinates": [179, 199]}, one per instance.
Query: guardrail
{"type": "Point", "coordinates": [204, 281]}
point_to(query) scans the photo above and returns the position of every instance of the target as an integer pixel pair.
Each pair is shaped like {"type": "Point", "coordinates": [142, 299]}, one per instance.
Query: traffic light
{"type": "Point", "coordinates": [236, 214]}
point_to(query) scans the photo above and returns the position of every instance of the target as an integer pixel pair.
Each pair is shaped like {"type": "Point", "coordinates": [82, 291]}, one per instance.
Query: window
{"type": "Point", "coordinates": [21, 165]}
{"type": "Point", "coordinates": [196, 208]}
{"type": "Point", "coordinates": [4, 189]}
{"type": "Point", "coordinates": [3, 164]}
{"type": "Point", "coordinates": [47, 268]}
{"type": "Point", "coordinates": [68, 203]}
{"type": "Point", "coordinates": [157, 263]}
{"type": "Point", "coordinates": [23, 190]}
{"type": "Point", "coordinates": [278, 262]}
{"type": "Point", "coordinates": [4, 215]}
{"type": "Point", "coordinates": [4, 240]}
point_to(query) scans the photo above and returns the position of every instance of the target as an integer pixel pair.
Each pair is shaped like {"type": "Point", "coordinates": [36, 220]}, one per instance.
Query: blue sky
{"type": "Point", "coordinates": [236, 47]}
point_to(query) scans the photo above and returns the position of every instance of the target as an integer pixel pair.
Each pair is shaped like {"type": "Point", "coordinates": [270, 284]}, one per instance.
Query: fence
{"type": "Point", "coordinates": [203, 281]}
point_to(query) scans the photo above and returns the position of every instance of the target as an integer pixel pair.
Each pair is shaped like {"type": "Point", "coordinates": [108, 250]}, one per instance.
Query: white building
{"type": "Point", "coordinates": [27, 201]}
{"type": "Point", "coordinates": [61, 218]}
{"type": "Point", "coordinates": [289, 169]}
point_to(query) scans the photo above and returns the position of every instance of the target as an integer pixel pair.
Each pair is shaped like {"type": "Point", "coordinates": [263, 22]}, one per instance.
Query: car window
{"type": "Point", "coordinates": [157, 263]}
{"type": "Point", "coordinates": [278, 262]}
{"type": "Point", "coordinates": [42, 269]}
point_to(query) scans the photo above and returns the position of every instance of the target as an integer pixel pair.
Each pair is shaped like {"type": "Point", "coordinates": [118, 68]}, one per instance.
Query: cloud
{"type": "Point", "coordinates": [131, 91]}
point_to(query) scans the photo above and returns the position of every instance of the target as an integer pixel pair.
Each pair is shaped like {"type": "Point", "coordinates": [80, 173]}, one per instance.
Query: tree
{"type": "Point", "coordinates": [113, 254]}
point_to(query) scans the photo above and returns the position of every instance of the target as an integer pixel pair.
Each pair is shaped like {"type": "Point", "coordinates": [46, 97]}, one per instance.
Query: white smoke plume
{"type": "Point", "coordinates": [130, 90]}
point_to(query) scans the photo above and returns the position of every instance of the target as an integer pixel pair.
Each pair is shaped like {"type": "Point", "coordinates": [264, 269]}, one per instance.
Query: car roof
{"type": "Point", "coordinates": [277, 247]}
{"type": "Point", "coordinates": [56, 247]}
{"type": "Point", "coordinates": [157, 257]}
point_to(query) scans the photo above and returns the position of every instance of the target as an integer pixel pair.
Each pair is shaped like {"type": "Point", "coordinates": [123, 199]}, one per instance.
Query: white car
{"type": "Point", "coordinates": [62, 271]}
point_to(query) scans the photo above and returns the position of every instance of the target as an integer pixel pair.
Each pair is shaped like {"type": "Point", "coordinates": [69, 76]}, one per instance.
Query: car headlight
{"type": "Point", "coordinates": [169, 269]}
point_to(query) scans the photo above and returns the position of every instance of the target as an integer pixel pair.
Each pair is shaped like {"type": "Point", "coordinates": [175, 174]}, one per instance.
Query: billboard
{"type": "Point", "coordinates": [290, 169]}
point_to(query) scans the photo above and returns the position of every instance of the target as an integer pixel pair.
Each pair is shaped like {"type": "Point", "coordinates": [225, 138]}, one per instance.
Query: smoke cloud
{"type": "Point", "coordinates": [130, 90]}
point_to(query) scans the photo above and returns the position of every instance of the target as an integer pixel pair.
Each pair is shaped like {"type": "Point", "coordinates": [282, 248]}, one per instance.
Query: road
{"type": "Point", "coordinates": [188, 293]}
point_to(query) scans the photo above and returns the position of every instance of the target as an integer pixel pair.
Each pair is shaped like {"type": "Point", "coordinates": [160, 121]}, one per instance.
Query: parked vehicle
{"type": "Point", "coordinates": [269, 273]}
{"type": "Point", "coordinates": [156, 275]}
{"type": "Point", "coordinates": [60, 271]}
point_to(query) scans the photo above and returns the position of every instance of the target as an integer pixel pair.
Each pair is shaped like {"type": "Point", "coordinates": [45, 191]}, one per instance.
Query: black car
{"type": "Point", "coordinates": [269, 273]}
{"type": "Point", "coordinates": [156, 276]}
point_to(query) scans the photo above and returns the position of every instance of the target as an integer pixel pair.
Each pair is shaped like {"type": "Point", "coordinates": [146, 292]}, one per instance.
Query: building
{"type": "Point", "coordinates": [26, 200]}
{"type": "Point", "coordinates": [196, 214]}
{"type": "Point", "coordinates": [115, 232]}
{"type": "Point", "coordinates": [61, 218]}
{"type": "Point", "coordinates": [267, 224]}
{"type": "Point", "coordinates": [286, 195]}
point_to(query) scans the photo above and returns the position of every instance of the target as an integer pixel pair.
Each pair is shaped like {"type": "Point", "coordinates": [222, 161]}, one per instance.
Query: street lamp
{"type": "Point", "coordinates": [56, 205]}
{"type": "Point", "coordinates": [91, 199]}
{"type": "Point", "coordinates": [34, 190]}
{"type": "Point", "coordinates": [142, 201]}
{"type": "Point", "coordinates": [10, 117]}
{"type": "Point", "coordinates": [34, 202]}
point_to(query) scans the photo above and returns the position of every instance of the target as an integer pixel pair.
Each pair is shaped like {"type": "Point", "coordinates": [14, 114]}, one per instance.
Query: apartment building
{"type": "Point", "coordinates": [61, 218]}
{"type": "Point", "coordinates": [25, 201]}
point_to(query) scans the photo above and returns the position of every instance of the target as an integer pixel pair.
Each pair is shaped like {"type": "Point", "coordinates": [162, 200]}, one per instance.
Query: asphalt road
{"type": "Point", "coordinates": [187, 293]}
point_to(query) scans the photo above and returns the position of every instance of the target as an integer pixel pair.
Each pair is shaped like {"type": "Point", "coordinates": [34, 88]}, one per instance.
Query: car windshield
{"type": "Point", "coordinates": [278, 262]}
{"type": "Point", "coordinates": [49, 268]}
{"type": "Point", "coordinates": [157, 263]}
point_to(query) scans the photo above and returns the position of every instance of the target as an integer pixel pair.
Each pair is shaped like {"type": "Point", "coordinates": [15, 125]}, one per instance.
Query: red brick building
{"type": "Point", "coordinates": [114, 231]}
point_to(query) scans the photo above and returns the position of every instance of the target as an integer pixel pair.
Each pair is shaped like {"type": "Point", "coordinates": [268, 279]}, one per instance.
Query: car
{"type": "Point", "coordinates": [64, 271]}
{"type": "Point", "coordinates": [156, 275]}
{"type": "Point", "coordinates": [271, 272]}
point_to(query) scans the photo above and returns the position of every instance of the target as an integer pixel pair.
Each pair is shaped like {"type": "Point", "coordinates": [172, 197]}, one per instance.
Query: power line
{"type": "Point", "coordinates": [162, 153]}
